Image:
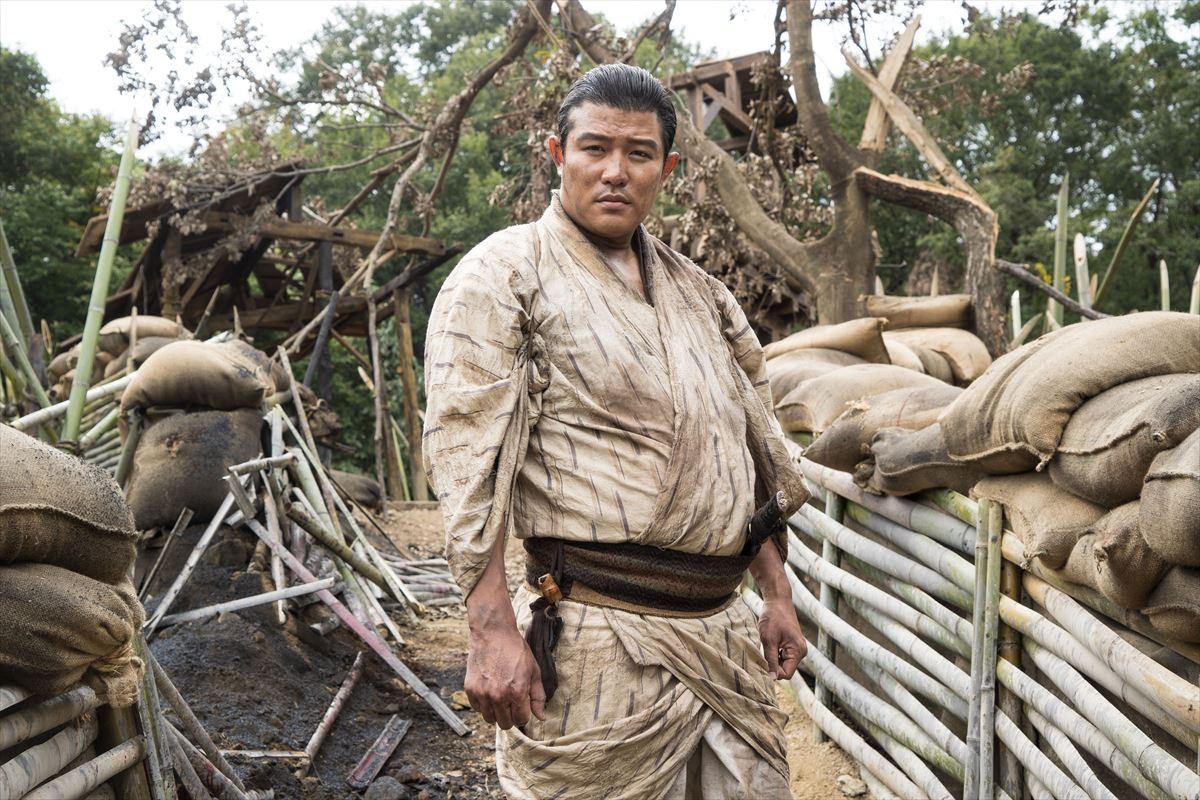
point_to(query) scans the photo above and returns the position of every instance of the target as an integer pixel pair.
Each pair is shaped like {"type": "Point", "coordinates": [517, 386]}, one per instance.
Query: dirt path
{"type": "Point", "coordinates": [257, 686]}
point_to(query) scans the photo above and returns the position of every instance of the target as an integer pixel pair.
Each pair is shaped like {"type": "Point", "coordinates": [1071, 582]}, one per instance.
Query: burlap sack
{"type": "Point", "coordinates": [1108, 444]}
{"type": "Point", "coordinates": [1081, 566]}
{"type": "Point", "coordinates": [848, 440]}
{"type": "Point", "coordinates": [859, 337]}
{"type": "Point", "coordinates": [903, 356]}
{"type": "Point", "coordinates": [1127, 568]}
{"type": "Point", "coordinates": [363, 490]}
{"type": "Point", "coordinates": [934, 363]}
{"type": "Point", "coordinates": [816, 403]}
{"type": "Point", "coordinates": [180, 462]}
{"type": "Point", "coordinates": [114, 336]}
{"type": "Point", "coordinates": [1174, 606]}
{"type": "Point", "coordinates": [199, 375]}
{"type": "Point", "coordinates": [61, 627]}
{"type": "Point", "coordinates": [139, 353]}
{"type": "Point", "coordinates": [1171, 503]}
{"type": "Point", "coordinates": [56, 509]}
{"type": "Point", "coordinates": [904, 462]}
{"type": "Point", "coordinates": [942, 311]}
{"type": "Point", "coordinates": [61, 364]}
{"type": "Point", "coordinates": [967, 354]}
{"type": "Point", "coordinates": [1015, 414]}
{"type": "Point", "coordinates": [62, 389]}
{"type": "Point", "coordinates": [1047, 519]}
{"type": "Point", "coordinates": [791, 369]}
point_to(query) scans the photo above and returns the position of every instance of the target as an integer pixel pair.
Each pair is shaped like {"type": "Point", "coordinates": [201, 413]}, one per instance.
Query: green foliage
{"type": "Point", "coordinates": [51, 163]}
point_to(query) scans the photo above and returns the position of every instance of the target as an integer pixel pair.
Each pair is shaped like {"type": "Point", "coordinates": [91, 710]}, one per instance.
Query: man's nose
{"type": "Point", "coordinates": [614, 173]}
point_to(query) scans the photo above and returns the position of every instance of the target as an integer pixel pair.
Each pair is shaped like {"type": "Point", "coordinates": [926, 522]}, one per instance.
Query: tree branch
{"type": "Point", "coordinates": [875, 128]}
{"type": "Point", "coordinates": [662, 21]}
{"type": "Point", "coordinates": [1022, 274]}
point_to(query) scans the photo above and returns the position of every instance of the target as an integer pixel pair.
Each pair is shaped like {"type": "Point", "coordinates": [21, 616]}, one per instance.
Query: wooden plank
{"type": "Point", "coordinates": [378, 754]}
{"type": "Point", "coordinates": [279, 228]}
{"type": "Point", "coordinates": [731, 112]}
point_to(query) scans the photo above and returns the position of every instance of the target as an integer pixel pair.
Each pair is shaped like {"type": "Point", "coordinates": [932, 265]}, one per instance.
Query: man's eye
{"type": "Point", "coordinates": [641, 154]}
{"type": "Point", "coordinates": [593, 148]}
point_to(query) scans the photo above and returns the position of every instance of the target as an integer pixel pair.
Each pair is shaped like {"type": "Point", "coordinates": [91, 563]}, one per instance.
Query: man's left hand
{"type": "Point", "coordinates": [782, 640]}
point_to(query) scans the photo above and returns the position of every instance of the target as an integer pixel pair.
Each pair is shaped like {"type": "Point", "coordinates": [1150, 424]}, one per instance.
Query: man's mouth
{"type": "Point", "coordinates": [612, 201]}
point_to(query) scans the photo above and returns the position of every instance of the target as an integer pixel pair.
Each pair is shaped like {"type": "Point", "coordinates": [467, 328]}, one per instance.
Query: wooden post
{"type": "Point", "coordinates": [323, 380]}
{"type": "Point", "coordinates": [971, 783]}
{"type": "Point", "coordinates": [381, 471]}
{"type": "Point", "coordinates": [412, 402]}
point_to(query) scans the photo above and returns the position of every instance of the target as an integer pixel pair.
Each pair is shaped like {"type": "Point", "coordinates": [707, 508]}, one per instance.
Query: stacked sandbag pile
{"type": "Point", "coordinates": [1090, 438]}
{"type": "Point", "coordinates": [202, 406]}
{"type": "Point", "coordinates": [934, 333]}
{"type": "Point", "coordinates": [112, 353]}
{"type": "Point", "coordinates": [68, 611]}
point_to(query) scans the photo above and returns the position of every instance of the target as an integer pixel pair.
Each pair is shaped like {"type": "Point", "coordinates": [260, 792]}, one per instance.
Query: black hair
{"type": "Point", "coordinates": [620, 86]}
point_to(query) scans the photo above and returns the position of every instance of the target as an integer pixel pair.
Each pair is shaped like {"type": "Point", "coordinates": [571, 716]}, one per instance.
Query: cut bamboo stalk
{"type": "Point", "coordinates": [381, 466]}
{"type": "Point", "coordinates": [29, 722]}
{"type": "Point", "coordinates": [219, 784]}
{"type": "Point", "coordinates": [910, 762]}
{"type": "Point", "coordinates": [975, 717]}
{"type": "Point", "coordinates": [43, 761]}
{"type": "Point", "coordinates": [1194, 303]}
{"type": "Point", "coordinates": [394, 428]}
{"type": "Point", "coordinates": [1015, 313]}
{"type": "Point", "coordinates": [187, 773]}
{"type": "Point", "coordinates": [161, 780]}
{"type": "Point", "coordinates": [189, 567]}
{"type": "Point", "coordinates": [17, 353]}
{"type": "Point", "coordinates": [1164, 285]}
{"type": "Point", "coordinates": [132, 437]}
{"type": "Point", "coordinates": [105, 425]}
{"type": "Point", "coordinates": [247, 602]}
{"type": "Point", "coordinates": [86, 777]}
{"type": "Point", "coordinates": [368, 636]}
{"type": "Point", "coordinates": [359, 563]}
{"type": "Point", "coordinates": [11, 695]}
{"type": "Point", "coordinates": [1054, 312]}
{"type": "Point", "coordinates": [987, 697]}
{"type": "Point", "coordinates": [412, 402]}
{"type": "Point", "coordinates": [373, 603]}
{"type": "Point", "coordinates": [259, 464]}
{"type": "Point", "coordinates": [1126, 238]}
{"type": "Point", "coordinates": [181, 523]}
{"type": "Point", "coordinates": [1052, 324]}
{"type": "Point", "coordinates": [378, 753]}
{"type": "Point", "coordinates": [263, 754]}
{"type": "Point", "coordinates": [278, 576]}
{"type": "Point", "coordinates": [1082, 278]}
{"type": "Point", "coordinates": [925, 603]}
{"type": "Point", "coordinates": [1010, 649]}
{"type": "Point", "coordinates": [51, 412]}
{"type": "Point", "coordinates": [12, 296]}
{"type": "Point", "coordinates": [331, 714]}
{"type": "Point", "coordinates": [834, 508]}
{"type": "Point", "coordinates": [1070, 757]}
{"type": "Point", "coordinates": [95, 314]}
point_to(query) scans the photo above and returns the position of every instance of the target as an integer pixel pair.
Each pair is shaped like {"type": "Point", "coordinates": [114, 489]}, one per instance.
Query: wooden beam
{"type": "Point", "coordinates": [279, 228]}
{"type": "Point", "coordinates": [727, 106]}
{"type": "Point", "coordinates": [875, 129]}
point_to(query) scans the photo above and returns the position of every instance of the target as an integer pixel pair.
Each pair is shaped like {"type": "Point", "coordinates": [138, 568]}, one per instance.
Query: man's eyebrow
{"type": "Point", "coordinates": [599, 137]}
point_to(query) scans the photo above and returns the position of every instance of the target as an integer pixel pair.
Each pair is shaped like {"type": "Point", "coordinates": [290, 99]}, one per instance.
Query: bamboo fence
{"type": "Point", "coordinates": [905, 598]}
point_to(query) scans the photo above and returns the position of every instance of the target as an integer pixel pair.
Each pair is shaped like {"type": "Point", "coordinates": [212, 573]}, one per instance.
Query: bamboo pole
{"type": "Point", "coordinates": [1015, 313]}
{"type": "Point", "coordinates": [1054, 312]}
{"type": "Point", "coordinates": [22, 321]}
{"type": "Point", "coordinates": [1164, 285]}
{"type": "Point", "coordinates": [331, 714]}
{"type": "Point", "coordinates": [188, 720]}
{"type": "Point", "coordinates": [213, 779]}
{"type": "Point", "coordinates": [315, 529]}
{"type": "Point", "coordinates": [1194, 303]}
{"type": "Point", "coordinates": [83, 779]}
{"type": "Point", "coordinates": [834, 508]}
{"type": "Point", "coordinates": [41, 762]}
{"type": "Point", "coordinates": [95, 315]}
{"type": "Point", "coordinates": [1082, 278]}
{"type": "Point", "coordinates": [132, 437]}
{"type": "Point", "coordinates": [150, 721]}
{"type": "Point", "coordinates": [189, 567]}
{"type": "Point", "coordinates": [381, 471]}
{"type": "Point", "coordinates": [974, 717]}
{"type": "Point", "coordinates": [29, 722]}
{"type": "Point", "coordinates": [187, 773]}
{"type": "Point", "coordinates": [17, 353]}
{"type": "Point", "coordinates": [987, 697]}
{"type": "Point", "coordinates": [1126, 238]}
{"type": "Point", "coordinates": [11, 695]}
{"type": "Point", "coordinates": [394, 428]}
{"type": "Point", "coordinates": [1070, 757]}
{"type": "Point", "coordinates": [50, 412]}
{"type": "Point", "coordinates": [247, 602]}
{"type": "Point", "coordinates": [1010, 650]}
{"type": "Point", "coordinates": [278, 576]}
{"type": "Point", "coordinates": [181, 523]}
{"type": "Point", "coordinates": [368, 636]}
{"type": "Point", "coordinates": [412, 403]}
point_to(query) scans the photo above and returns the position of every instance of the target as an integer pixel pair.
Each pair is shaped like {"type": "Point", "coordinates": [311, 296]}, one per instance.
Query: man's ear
{"type": "Point", "coordinates": [556, 150]}
{"type": "Point", "coordinates": [669, 165]}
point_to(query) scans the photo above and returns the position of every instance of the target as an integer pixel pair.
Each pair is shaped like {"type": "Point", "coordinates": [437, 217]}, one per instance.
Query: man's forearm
{"type": "Point", "coordinates": [767, 569]}
{"type": "Point", "coordinates": [488, 605]}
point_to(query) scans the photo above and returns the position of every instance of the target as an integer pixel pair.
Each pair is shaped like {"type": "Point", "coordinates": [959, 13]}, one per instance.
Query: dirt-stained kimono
{"type": "Point", "coordinates": [563, 403]}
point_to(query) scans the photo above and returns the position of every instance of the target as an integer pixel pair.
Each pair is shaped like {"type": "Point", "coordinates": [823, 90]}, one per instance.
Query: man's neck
{"type": "Point", "coordinates": [619, 253]}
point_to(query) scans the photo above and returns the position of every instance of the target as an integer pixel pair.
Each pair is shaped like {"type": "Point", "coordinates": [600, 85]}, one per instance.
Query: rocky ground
{"type": "Point", "coordinates": [258, 686]}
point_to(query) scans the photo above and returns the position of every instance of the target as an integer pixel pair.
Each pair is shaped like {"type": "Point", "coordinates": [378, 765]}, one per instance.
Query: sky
{"type": "Point", "coordinates": [72, 37]}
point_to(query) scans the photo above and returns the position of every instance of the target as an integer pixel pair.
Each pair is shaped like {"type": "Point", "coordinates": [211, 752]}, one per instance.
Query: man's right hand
{"type": "Point", "coordinates": [503, 681]}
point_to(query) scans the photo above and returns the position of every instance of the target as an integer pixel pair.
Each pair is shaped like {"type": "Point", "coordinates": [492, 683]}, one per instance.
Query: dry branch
{"type": "Point", "coordinates": [1022, 274]}
{"type": "Point", "coordinates": [335, 708]}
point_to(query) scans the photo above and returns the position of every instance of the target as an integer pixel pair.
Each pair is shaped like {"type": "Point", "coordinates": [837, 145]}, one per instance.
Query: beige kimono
{"type": "Point", "coordinates": [563, 404]}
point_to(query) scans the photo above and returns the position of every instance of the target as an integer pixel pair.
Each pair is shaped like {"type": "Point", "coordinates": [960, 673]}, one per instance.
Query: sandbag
{"type": "Point", "coordinates": [1014, 415]}
{"type": "Point", "coordinates": [363, 490]}
{"type": "Point", "coordinates": [62, 389]}
{"type": "Point", "coordinates": [61, 627]}
{"type": "Point", "coordinates": [61, 364]}
{"type": "Point", "coordinates": [791, 369]}
{"type": "Point", "coordinates": [933, 362]}
{"type": "Point", "coordinates": [902, 356]}
{"type": "Point", "coordinates": [859, 337]}
{"type": "Point", "coordinates": [1171, 503]}
{"type": "Point", "coordinates": [816, 403]}
{"type": "Point", "coordinates": [1127, 568]}
{"type": "Point", "coordinates": [1174, 606]}
{"type": "Point", "coordinates": [1081, 566]}
{"type": "Point", "coordinates": [848, 440]}
{"type": "Point", "coordinates": [180, 462]}
{"type": "Point", "coordinates": [115, 335]}
{"type": "Point", "coordinates": [967, 354]}
{"type": "Point", "coordinates": [200, 375]}
{"type": "Point", "coordinates": [940, 311]}
{"type": "Point", "coordinates": [904, 462]}
{"type": "Point", "coordinates": [143, 349]}
{"type": "Point", "coordinates": [1048, 520]}
{"type": "Point", "coordinates": [1108, 444]}
{"type": "Point", "coordinates": [57, 509]}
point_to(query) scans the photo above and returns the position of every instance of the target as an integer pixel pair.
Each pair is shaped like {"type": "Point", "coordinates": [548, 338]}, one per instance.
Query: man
{"type": "Point", "coordinates": [601, 398]}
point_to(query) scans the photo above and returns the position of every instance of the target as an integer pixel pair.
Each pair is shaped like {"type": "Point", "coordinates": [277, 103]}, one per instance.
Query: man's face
{"type": "Point", "coordinates": [611, 167]}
